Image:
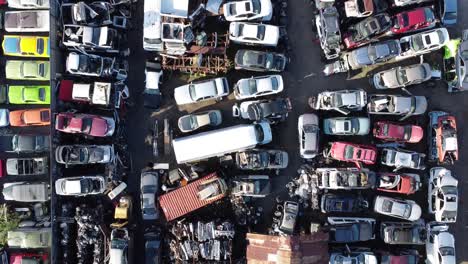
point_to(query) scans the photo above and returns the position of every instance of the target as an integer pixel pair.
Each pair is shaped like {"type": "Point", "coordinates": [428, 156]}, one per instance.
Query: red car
{"type": "Point", "coordinates": [363, 32]}
{"type": "Point", "coordinates": [407, 183]}
{"type": "Point", "coordinates": [93, 125]}
{"type": "Point", "coordinates": [32, 258]}
{"type": "Point", "coordinates": [350, 152]}
{"type": "Point", "coordinates": [390, 131]}
{"type": "Point", "coordinates": [414, 20]}
{"type": "Point", "coordinates": [446, 139]}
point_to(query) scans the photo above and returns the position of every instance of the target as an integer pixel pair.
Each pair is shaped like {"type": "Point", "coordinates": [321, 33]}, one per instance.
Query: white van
{"type": "Point", "coordinates": [219, 142]}
{"type": "Point", "coordinates": [152, 26]}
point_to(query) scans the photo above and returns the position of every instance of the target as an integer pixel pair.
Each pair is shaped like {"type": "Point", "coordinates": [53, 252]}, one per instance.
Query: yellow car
{"type": "Point", "coordinates": [26, 46]}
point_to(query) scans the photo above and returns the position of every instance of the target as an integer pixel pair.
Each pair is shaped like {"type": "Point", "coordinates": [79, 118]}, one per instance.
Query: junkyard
{"type": "Point", "coordinates": [233, 131]}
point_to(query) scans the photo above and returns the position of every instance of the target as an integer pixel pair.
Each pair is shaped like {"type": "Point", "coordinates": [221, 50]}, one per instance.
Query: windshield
{"type": "Point", "coordinates": [256, 6]}
{"type": "Point", "coordinates": [401, 76]}
{"type": "Point", "coordinates": [192, 92]}
{"type": "Point", "coordinates": [349, 152]}
{"type": "Point", "coordinates": [261, 32]}
{"type": "Point", "coordinates": [447, 251]}
{"type": "Point", "coordinates": [252, 86]}
{"type": "Point", "coordinates": [417, 43]}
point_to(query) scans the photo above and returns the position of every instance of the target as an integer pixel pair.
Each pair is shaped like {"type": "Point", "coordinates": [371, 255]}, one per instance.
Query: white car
{"type": "Point", "coordinates": [248, 10]}
{"type": "Point", "coordinates": [201, 91]}
{"type": "Point", "coordinates": [399, 208]}
{"type": "Point", "coordinates": [443, 195]}
{"type": "Point", "coordinates": [308, 127]}
{"type": "Point", "coordinates": [343, 101]}
{"type": "Point", "coordinates": [258, 86]}
{"type": "Point", "coordinates": [354, 256]}
{"type": "Point", "coordinates": [254, 34]}
{"type": "Point", "coordinates": [409, 2]}
{"type": "Point", "coordinates": [29, 4]}
{"type": "Point", "coordinates": [27, 21]}
{"type": "Point", "coordinates": [401, 158]}
{"type": "Point", "coordinates": [440, 245]}
{"type": "Point", "coordinates": [80, 186]}
{"type": "Point", "coordinates": [422, 43]}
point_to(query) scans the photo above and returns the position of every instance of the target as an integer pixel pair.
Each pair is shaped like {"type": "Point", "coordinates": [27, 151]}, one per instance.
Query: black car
{"type": "Point", "coordinates": [273, 111]}
{"type": "Point", "coordinates": [343, 204]}
{"type": "Point", "coordinates": [374, 53]}
{"type": "Point", "coordinates": [260, 61]}
{"type": "Point", "coordinates": [152, 248]}
{"type": "Point", "coordinates": [351, 229]}
{"type": "Point", "coordinates": [362, 32]}
{"type": "Point", "coordinates": [21, 144]}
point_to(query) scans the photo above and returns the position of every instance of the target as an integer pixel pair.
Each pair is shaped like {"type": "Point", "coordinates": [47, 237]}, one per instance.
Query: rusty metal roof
{"type": "Point", "coordinates": [185, 199]}
{"type": "Point", "coordinates": [303, 249]}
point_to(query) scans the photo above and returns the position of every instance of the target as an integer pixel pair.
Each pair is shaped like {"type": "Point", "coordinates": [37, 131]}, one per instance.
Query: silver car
{"type": "Point", "coordinates": [308, 127]}
{"type": "Point", "coordinates": [27, 21]}
{"type": "Point", "coordinates": [405, 106]}
{"type": "Point", "coordinates": [149, 187]}
{"type": "Point", "coordinates": [192, 122]}
{"type": "Point", "coordinates": [80, 186]}
{"type": "Point", "coordinates": [346, 126]}
{"type": "Point", "coordinates": [201, 91]}
{"type": "Point", "coordinates": [399, 77]}
{"type": "Point", "coordinates": [399, 208]}
{"type": "Point", "coordinates": [288, 219]}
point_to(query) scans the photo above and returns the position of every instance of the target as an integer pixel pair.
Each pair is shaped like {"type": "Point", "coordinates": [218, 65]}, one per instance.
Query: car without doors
{"type": "Point", "coordinates": [443, 195]}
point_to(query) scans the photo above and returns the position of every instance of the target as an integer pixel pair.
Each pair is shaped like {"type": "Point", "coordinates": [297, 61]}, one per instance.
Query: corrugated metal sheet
{"type": "Point", "coordinates": [184, 200]}
{"type": "Point", "coordinates": [304, 249]}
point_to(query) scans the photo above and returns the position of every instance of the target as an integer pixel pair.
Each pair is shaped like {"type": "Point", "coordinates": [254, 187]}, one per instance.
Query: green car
{"type": "Point", "coordinates": [27, 70]}
{"type": "Point", "coordinates": [19, 94]}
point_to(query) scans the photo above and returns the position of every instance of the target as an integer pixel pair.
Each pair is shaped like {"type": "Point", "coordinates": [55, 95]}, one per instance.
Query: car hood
{"type": "Point", "coordinates": [415, 212]}
{"type": "Point", "coordinates": [421, 105]}
{"type": "Point", "coordinates": [361, 56]}
{"type": "Point", "coordinates": [417, 134]}
{"type": "Point", "coordinates": [182, 95]}
{"type": "Point", "coordinates": [390, 79]}
{"type": "Point", "coordinates": [99, 127]}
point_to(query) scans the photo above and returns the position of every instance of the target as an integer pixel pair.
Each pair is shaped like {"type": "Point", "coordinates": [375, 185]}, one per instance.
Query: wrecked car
{"type": "Point", "coordinates": [261, 159]}
{"type": "Point", "coordinates": [27, 166]}
{"type": "Point", "coordinates": [97, 39]}
{"type": "Point", "coordinates": [367, 30]}
{"type": "Point", "coordinates": [443, 144]}
{"type": "Point", "coordinates": [345, 178]}
{"type": "Point", "coordinates": [350, 152]}
{"type": "Point", "coordinates": [443, 195]}
{"type": "Point", "coordinates": [399, 233]}
{"type": "Point", "coordinates": [346, 126]}
{"type": "Point", "coordinates": [351, 229]}
{"type": "Point", "coordinates": [26, 191]}
{"type": "Point", "coordinates": [422, 43]}
{"type": "Point", "coordinates": [359, 8]}
{"type": "Point", "coordinates": [401, 77]}
{"type": "Point", "coordinates": [255, 186]}
{"type": "Point", "coordinates": [395, 132]}
{"type": "Point", "coordinates": [273, 111]}
{"type": "Point", "coordinates": [414, 20]}
{"type": "Point", "coordinates": [402, 257]}
{"type": "Point", "coordinates": [440, 245]}
{"type": "Point", "coordinates": [400, 158]}
{"type": "Point", "coordinates": [85, 124]}
{"type": "Point", "coordinates": [149, 185]}
{"type": "Point", "coordinates": [353, 255]}
{"type": "Point", "coordinates": [96, 66]}
{"type": "Point", "coordinates": [25, 144]}
{"type": "Point", "coordinates": [405, 106]}
{"type": "Point", "coordinates": [374, 53]}
{"type": "Point", "coordinates": [192, 122]}
{"type": "Point", "coordinates": [288, 218]}
{"type": "Point", "coordinates": [332, 203]}
{"type": "Point", "coordinates": [404, 183]}
{"type": "Point", "coordinates": [328, 29]}
{"type": "Point", "coordinates": [84, 154]}
{"type": "Point", "coordinates": [343, 101]}
{"type": "Point", "coordinates": [260, 61]}
{"type": "Point", "coordinates": [94, 14]}
{"type": "Point", "coordinates": [119, 246]}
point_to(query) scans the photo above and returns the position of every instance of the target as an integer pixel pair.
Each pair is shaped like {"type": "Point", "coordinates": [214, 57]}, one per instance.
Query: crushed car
{"type": "Point", "coordinates": [401, 158]}
{"type": "Point", "coordinates": [399, 233]}
{"type": "Point", "coordinates": [274, 111]}
{"type": "Point", "coordinates": [343, 101]}
{"type": "Point", "coordinates": [261, 159]}
{"type": "Point", "coordinates": [93, 39]}
{"type": "Point", "coordinates": [255, 186]}
{"type": "Point", "coordinates": [443, 142]}
{"type": "Point", "coordinates": [94, 14]}
{"type": "Point", "coordinates": [404, 183]}
{"type": "Point", "coordinates": [344, 178]}
{"type": "Point", "coordinates": [443, 195]}
{"type": "Point", "coordinates": [400, 105]}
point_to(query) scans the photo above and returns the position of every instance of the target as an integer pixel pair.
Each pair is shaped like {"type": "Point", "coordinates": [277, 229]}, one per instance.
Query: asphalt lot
{"type": "Point", "coordinates": [303, 79]}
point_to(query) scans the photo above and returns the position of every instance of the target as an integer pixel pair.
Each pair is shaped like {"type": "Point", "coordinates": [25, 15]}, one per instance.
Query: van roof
{"type": "Point", "coordinates": [213, 143]}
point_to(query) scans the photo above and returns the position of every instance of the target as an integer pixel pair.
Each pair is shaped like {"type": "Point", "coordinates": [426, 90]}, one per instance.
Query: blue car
{"type": "Point", "coordinates": [448, 12]}
{"type": "Point", "coordinates": [351, 229]}
{"type": "Point", "coordinates": [343, 204]}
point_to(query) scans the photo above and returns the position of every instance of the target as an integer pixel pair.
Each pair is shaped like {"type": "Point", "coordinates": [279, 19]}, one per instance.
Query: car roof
{"type": "Point", "coordinates": [11, 44]}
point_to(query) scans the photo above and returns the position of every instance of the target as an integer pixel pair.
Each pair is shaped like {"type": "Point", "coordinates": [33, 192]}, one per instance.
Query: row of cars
{"type": "Point", "coordinates": [25, 110]}
{"type": "Point", "coordinates": [368, 41]}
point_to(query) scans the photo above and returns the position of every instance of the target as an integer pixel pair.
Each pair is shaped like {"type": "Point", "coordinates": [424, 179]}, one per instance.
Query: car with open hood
{"type": "Point", "coordinates": [403, 183]}
{"type": "Point", "coordinates": [85, 124]}
{"type": "Point", "coordinates": [400, 105]}
{"type": "Point", "coordinates": [398, 208]}
{"type": "Point", "coordinates": [80, 186]}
